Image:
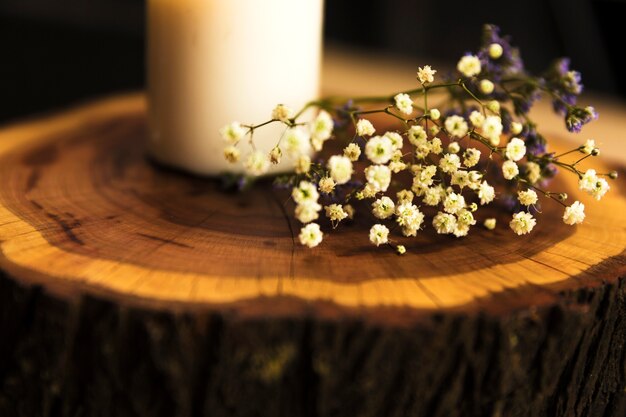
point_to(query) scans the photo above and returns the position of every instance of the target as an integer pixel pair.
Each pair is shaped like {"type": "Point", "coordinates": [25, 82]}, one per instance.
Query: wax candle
{"type": "Point", "coordinates": [211, 62]}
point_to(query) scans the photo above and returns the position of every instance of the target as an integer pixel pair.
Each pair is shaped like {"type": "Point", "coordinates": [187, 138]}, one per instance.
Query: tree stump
{"type": "Point", "coordinates": [132, 290]}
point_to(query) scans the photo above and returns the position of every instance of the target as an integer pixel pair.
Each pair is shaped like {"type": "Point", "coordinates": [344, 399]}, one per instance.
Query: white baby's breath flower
{"type": "Point", "coordinates": [257, 163]}
{"type": "Point", "coordinates": [340, 169]}
{"type": "Point", "coordinates": [522, 223]}
{"type": "Point", "coordinates": [383, 207]}
{"type": "Point", "coordinates": [601, 188]}
{"type": "Point", "coordinates": [493, 106]}
{"type": "Point", "coordinates": [477, 118]}
{"type": "Point", "coordinates": [435, 114]}
{"type": "Point", "coordinates": [450, 163]}
{"type": "Point", "coordinates": [456, 126]}
{"type": "Point", "coordinates": [516, 128]}
{"type": "Point", "coordinates": [426, 74]}
{"type": "Point", "coordinates": [417, 135]}
{"type": "Point", "coordinates": [379, 234]}
{"type": "Point", "coordinates": [232, 132]}
{"type": "Point", "coordinates": [533, 172]}
{"type": "Point", "coordinates": [350, 211]}
{"type": "Point", "coordinates": [515, 149]}
{"type": "Point", "coordinates": [365, 128]}
{"type": "Point", "coordinates": [326, 185]}
{"type": "Point", "coordinates": [405, 196]}
{"type": "Point", "coordinates": [321, 127]}
{"type": "Point", "coordinates": [369, 191]}
{"type": "Point", "coordinates": [460, 178]}
{"type": "Point", "coordinates": [527, 198]}
{"type": "Point", "coordinates": [490, 223]}
{"type": "Point", "coordinates": [311, 235]}
{"type": "Point", "coordinates": [588, 180]}
{"type": "Point", "coordinates": [436, 147]}
{"type": "Point", "coordinates": [410, 218]}
{"type": "Point", "coordinates": [433, 195]}
{"type": "Point", "coordinates": [282, 113]}
{"type": "Point", "coordinates": [510, 170]}
{"type": "Point", "coordinates": [454, 147]}
{"type": "Point", "coordinates": [307, 212]}
{"type": "Point", "coordinates": [397, 166]}
{"type": "Point", "coordinates": [474, 177]}
{"type": "Point", "coordinates": [302, 164]}
{"type": "Point", "coordinates": [589, 146]}
{"type": "Point", "coordinates": [471, 156]}
{"type": "Point", "coordinates": [492, 129]}
{"type": "Point", "coordinates": [461, 230]}
{"type": "Point", "coordinates": [486, 87]}
{"type": "Point", "coordinates": [404, 103]}
{"type": "Point", "coordinates": [453, 203]}
{"type": "Point", "coordinates": [396, 140]}
{"type": "Point", "coordinates": [378, 176]}
{"type": "Point", "coordinates": [486, 193]}
{"type": "Point", "coordinates": [379, 149]}
{"type": "Point", "coordinates": [335, 212]}
{"type": "Point", "coordinates": [400, 249]}
{"type": "Point", "coordinates": [232, 154]}
{"type": "Point", "coordinates": [465, 217]}
{"type": "Point", "coordinates": [495, 50]}
{"type": "Point", "coordinates": [444, 223]}
{"type": "Point", "coordinates": [305, 193]}
{"type": "Point", "coordinates": [574, 214]}
{"type": "Point", "coordinates": [469, 65]}
{"type": "Point", "coordinates": [434, 130]}
{"type": "Point", "coordinates": [296, 141]}
{"type": "Point", "coordinates": [352, 152]}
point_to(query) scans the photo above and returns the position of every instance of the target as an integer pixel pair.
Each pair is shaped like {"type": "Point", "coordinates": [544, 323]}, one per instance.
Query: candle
{"type": "Point", "coordinates": [211, 62]}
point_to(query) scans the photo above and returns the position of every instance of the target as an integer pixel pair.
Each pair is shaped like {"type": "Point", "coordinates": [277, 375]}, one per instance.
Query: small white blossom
{"type": "Point", "coordinates": [296, 141]}
{"type": "Point", "coordinates": [474, 177]}
{"type": "Point", "coordinates": [486, 193]}
{"type": "Point", "coordinates": [494, 106]}
{"type": "Point", "coordinates": [527, 198]}
{"type": "Point", "coordinates": [282, 113]}
{"type": "Point", "coordinates": [490, 223]}
{"type": "Point", "coordinates": [477, 118]}
{"type": "Point", "coordinates": [369, 191]}
{"type": "Point", "coordinates": [307, 212]}
{"type": "Point", "coordinates": [450, 163]}
{"type": "Point", "coordinates": [404, 103]}
{"type": "Point", "coordinates": [574, 214]}
{"type": "Point", "coordinates": [454, 147]}
{"type": "Point", "coordinates": [593, 185]}
{"type": "Point", "coordinates": [396, 140]}
{"type": "Point", "coordinates": [471, 156]}
{"type": "Point", "coordinates": [378, 176]}
{"type": "Point", "coordinates": [410, 218]}
{"type": "Point", "coordinates": [352, 152]}
{"type": "Point", "coordinates": [405, 196]}
{"type": "Point", "coordinates": [257, 163]}
{"type": "Point", "coordinates": [335, 212]}
{"type": "Point", "coordinates": [515, 149]}
{"type": "Point", "coordinates": [303, 164]}
{"type": "Point", "coordinates": [453, 203]}
{"type": "Point", "coordinates": [397, 166]}
{"type": "Point", "coordinates": [601, 188]}
{"type": "Point", "coordinates": [589, 146]}
{"type": "Point", "coordinates": [461, 230]}
{"type": "Point", "coordinates": [311, 235]}
{"type": "Point", "coordinates": [383, 207]}
{"type": "Point", "coordinates": [433, 195]}
{"type": "Point", "coordinates": [321, 127]}
{"type": "Point", "coordinates": [426, 74]}
{"type": "Point", "coordinates": [434, 129]}
{"type": "Point", "coordinates": [492, 129]}
{"type": "Point", "coordinates": [364, 128]}
{"type": "Point", "coordinates": [460, 178]}
{"type": "Point", "coordinates": [305, 193]}
{"type": "Point", "coordinates": [469, 65]}
{"type": "Point", "coordinates": [456, 126]}
{"type": "Point", "coordinates": [444, 223]}
{"type": "Point", "coordinates": [340, 169]}
{"type": "Point", "coordinates": [436, 146]}
{"type": "Point", "coordinates": [379, 149]}
{"type": "Point", "coordinates": [326, 185]}
{"type": "Point", "coordinates": [516, 128]}
{"type": "Point", "coordinates": [232, 154]}
{"type": "Point", "coordinates": [417, 135]}
{"type": "Point", "coordinates": [435, 114]}
{"type": "Point", "coordinates": [465, 217]}
{"type": "Point", "coordinates": [522, 223]}
{"type": "Point", "coordinates": [486, 87]}
{"type": "Point", "coordinates": [533, 172]}
{"type": "Point", "coordinates": [510, 170]}
{"type": "Point", "coordinates": [495, 50]}
{"type": "Point", "coordinates": [379, 234]}
{"type": "Point", "coordinates": [233, 132]}
{"type": "Point", "coordinates": [400, 249]}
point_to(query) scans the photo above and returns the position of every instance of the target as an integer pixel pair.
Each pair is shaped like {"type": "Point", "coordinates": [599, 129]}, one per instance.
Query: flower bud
{"type": "Point", "coordinates": [494, 106]}
{"type": "Point", "coordinates": [516, 128]}
{"type": "Point", "coordinates": [613, 175]}
{"type": "Point", "coordinates": [275, 155]}
{"type": "Point", "coordinates": [486, 87]}
{"type": "Point", "coordinates": [495, 50]}
{"type": "Point", "coordinates": [563, 196]}
{"type": "Point", "coordinates": [435, 114]}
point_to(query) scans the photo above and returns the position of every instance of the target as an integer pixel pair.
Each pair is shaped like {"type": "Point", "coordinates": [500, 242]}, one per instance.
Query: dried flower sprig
{"type": "Point", "coordinates": [448, 158]}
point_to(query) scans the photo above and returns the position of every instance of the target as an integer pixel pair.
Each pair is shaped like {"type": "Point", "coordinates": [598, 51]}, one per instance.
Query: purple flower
{"type": "Point", "coordinates": [508, 63]}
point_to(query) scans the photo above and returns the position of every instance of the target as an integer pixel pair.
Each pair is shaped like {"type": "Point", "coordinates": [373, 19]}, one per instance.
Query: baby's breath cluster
{"type": "Point", "coordinates": [434, 166]}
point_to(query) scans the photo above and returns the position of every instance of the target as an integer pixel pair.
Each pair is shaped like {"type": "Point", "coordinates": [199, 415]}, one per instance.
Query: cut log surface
{"type": "Point", "coordinates": [129, 289]}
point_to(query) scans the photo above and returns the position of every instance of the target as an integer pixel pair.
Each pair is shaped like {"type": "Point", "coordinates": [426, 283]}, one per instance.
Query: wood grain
{"type": "Point", "coordinates": [105, 253]}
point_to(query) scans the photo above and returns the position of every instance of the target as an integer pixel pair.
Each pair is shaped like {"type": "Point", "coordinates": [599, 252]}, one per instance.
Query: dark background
{"type": "Point", "coordinates": [55, 52]}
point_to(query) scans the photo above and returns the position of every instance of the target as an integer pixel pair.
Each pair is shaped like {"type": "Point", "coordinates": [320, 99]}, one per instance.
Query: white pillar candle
{"type": "Point", "coordinates": [211, 62]}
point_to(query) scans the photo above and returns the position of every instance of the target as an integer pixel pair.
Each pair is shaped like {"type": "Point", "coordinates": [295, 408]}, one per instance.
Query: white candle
{"type": "Point", "coordinates": [211, 62]}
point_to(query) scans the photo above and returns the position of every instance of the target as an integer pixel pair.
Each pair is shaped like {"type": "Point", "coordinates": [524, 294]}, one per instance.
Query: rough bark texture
{"type": "Point", "coordinates": [89, 357]}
